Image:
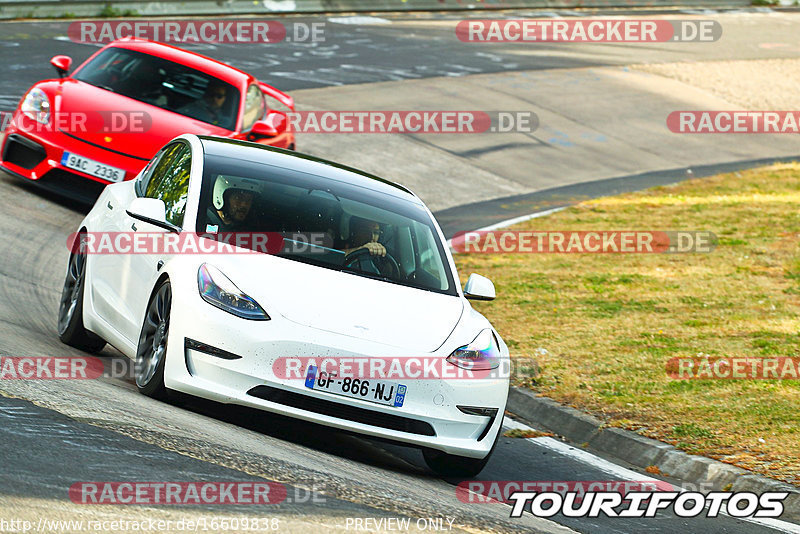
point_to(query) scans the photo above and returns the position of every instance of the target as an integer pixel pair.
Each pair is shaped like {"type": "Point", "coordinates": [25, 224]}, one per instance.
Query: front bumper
{"type": "Point", "coordinates": [429, 417]}
{"type": "Point", "coordinates": [33, 155]}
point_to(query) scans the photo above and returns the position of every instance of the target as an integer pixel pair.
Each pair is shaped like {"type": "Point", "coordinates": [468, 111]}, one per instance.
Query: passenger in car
{"type": "Point", "coordinates": [145, 83]}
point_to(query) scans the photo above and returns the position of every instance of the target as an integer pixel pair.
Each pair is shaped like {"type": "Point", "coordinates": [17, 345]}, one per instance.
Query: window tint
{"type": "Point", "coordinates": [327, 222]}
{"type": "Point", "coordinates": [164, 84]}
{"type": "Point", "coordinates": [170, 181]}
{"type": "Point", "coordinates": [157, 167]}
{"type": "Point", "coordinates": [144, 175]}
{"type": "Point", "coordinates": [254, 107]}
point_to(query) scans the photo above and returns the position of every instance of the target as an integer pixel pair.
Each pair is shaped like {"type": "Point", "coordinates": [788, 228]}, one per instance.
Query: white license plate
{"type": "Point", "coordinates": [378, 391]}
{"type": "Point", "coordinates": [92, 167]}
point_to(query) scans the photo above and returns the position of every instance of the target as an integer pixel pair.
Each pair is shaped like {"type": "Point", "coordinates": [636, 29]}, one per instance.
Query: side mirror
{"type": "Point", "coordinates": [271, 126]}
{"type": "Point", "coordinates": [62, 65]}
{"type": "Point", "coordinates": [479, 288]}
{"type": "Point", "coordinates": [152, 211]}
{"type": "Point", "coordinates": [263, 129]}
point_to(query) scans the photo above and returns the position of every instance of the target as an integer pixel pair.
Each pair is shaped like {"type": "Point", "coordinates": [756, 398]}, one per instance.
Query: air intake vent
{"type": "Point", "coordinates": [23, 152]}
{"type": "Point", "coordinates": [342, 411]}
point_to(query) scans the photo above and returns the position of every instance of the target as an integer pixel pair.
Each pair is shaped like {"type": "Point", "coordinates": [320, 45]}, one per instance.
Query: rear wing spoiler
{"type": "Point", "coordinates": [280, 96]}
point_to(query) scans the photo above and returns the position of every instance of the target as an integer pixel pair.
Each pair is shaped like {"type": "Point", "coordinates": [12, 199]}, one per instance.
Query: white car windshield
{"type": "Point", "coordinates": [326, 222]}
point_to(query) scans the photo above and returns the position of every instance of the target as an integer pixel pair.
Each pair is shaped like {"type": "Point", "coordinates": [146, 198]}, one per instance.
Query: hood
{"type": "Point", "coordinates": [415, 320]}
{"type": "Point", "coordinates": [121, 123]}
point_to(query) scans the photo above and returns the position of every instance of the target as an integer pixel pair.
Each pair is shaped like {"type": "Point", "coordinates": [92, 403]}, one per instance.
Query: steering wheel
{"type": "Point", "coordinates": [363, 254]}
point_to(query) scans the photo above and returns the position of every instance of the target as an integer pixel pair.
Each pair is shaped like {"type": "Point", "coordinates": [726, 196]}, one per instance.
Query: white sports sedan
{"type": "Point", "coordinates": [351, 317]}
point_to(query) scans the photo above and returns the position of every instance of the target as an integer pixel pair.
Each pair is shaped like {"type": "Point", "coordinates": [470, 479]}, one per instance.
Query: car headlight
{"type": "Point", "coordinates": [218, 290]}
{"type": "Point", "coordinates": [36, 105]}
{"type": "Point", "coordinates": [480, 355]}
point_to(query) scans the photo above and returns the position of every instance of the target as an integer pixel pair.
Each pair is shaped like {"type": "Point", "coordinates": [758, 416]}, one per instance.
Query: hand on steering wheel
{"type": "Point", "coordinates": [380, 256]}
{"type": "Point", "coordinates": [375, 248]}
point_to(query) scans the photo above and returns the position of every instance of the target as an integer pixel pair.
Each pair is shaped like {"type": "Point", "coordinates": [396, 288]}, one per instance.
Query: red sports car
{"type": "Point", "coordinates": [107, 119]}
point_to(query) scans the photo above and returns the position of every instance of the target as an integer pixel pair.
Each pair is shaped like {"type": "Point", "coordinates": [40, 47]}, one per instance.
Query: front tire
{"type": "Point", "coordinates": [151, 353]}
{"type": "Point", "coordinates": [70, 311]}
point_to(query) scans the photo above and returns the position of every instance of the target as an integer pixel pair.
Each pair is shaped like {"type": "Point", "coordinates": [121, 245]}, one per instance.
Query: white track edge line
{"type": "Point", "coordinates": [627, 474]}
{"type": "Point", "coordinates": [515, 220]}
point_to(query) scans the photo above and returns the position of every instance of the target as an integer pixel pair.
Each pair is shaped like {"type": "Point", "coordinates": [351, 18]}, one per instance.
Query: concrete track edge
{"type": "Point", "coordinates": [585, 430]}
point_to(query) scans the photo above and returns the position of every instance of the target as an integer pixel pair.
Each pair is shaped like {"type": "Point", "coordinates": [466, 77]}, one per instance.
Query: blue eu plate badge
{"type": "Point", "coordinates": [400, 396]}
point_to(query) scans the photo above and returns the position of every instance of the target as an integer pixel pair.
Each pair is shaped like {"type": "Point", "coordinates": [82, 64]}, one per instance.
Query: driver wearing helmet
{"type": "Point", "coordinates": [232, 200]}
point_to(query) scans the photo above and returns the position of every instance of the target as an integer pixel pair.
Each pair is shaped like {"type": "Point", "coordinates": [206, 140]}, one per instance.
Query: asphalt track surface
{"type": "Point", "coordinates": [56, 433]}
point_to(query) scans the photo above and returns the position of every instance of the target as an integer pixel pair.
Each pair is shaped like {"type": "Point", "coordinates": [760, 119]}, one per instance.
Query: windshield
{"type": "Point", "coordinates": [164, 84]}
{"type": "Point", "coordinates": [325, 222]}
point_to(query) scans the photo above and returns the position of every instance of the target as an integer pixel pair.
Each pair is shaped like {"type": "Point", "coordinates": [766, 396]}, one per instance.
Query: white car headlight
{"type": "Point", "coordinates": [482, 354]}
{"type": "Point", "coordinates": [218, 290]}
{"type": "Point", "coordinates": [36, 105]}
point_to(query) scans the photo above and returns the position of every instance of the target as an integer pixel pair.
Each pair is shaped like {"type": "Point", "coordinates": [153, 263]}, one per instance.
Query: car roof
{"type": "Point", "coordinates": [296, 161]}
{"type": "Point", "coordinates": [196, 61]}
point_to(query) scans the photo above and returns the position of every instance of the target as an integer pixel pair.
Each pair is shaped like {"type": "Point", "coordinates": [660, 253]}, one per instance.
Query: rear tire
{"type": "Point", "coordinates": [70, 311]}
{"type": "Point", "coordinates": [151, 353]}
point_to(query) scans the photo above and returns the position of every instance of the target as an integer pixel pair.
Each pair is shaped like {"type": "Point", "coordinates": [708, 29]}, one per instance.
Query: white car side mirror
{"type": "Point", "coordinates": [479, 288]}
{"type": "Point", "coordinates": [151, 210]}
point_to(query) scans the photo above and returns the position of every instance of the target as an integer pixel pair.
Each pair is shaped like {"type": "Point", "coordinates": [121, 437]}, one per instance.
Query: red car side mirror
{"type": "Point", "coordinates": [271, 126]}
{"type": "Point", "coordinates": [62, 65]}
{"type": "Point", "coordinates": [263, 129]}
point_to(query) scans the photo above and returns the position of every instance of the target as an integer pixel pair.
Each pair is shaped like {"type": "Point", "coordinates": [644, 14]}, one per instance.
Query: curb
{"type": "Point", "coordinates": [582, 428]}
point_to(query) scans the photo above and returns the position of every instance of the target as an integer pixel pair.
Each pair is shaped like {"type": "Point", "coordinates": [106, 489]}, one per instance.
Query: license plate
{"type": "Point", "coordinates": [92, 167]}
{"type": "Point", "coordinates": [378, 391]}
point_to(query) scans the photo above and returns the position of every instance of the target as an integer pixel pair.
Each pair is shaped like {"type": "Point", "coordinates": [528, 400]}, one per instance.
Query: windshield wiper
{"type": "Point", "coordinates": [100, 85]}
{"type": "Point", "coordinates": [366, 274]}
{"type": "Point", "coordinates": [310, 244]}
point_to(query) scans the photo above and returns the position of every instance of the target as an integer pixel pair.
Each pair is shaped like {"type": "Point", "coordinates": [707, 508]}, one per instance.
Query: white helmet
{"type": "Point", "coordinates": [225, 183]}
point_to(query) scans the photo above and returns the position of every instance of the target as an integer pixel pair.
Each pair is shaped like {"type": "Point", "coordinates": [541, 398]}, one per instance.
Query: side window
{"type": "Point", "coordinates": [144, 175]}
{"type": "Point", "coordinates": [155, 167]}
{"type": "Point", "coordinates": [170, 181]}
{"type": "Point", "coordinates": [254, 107]}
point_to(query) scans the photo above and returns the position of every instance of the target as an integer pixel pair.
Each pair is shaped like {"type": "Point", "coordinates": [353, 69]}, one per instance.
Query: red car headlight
{"type": "Point", "coordinates": [36, 105]}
